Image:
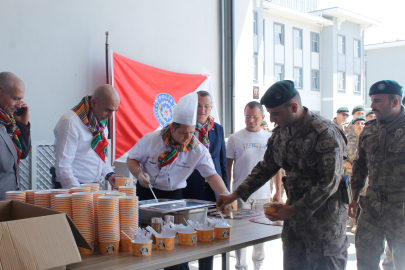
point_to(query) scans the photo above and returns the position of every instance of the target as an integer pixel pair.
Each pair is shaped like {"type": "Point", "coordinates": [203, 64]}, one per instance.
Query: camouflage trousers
{"type": "Point", "coordinates": [319, 243]}
{"type": "Point", "coordinates": [379, 221]}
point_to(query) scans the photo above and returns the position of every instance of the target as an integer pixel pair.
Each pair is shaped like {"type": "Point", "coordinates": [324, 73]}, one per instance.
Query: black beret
{"type": "Point", "coordinates": [369, 112]}
{"type": "Point", "coordinates": [358, 118]}
{"type": "Point", "coordinates": [263, 123]}
{"type": "Point", "coordinates": [357, 108]}
{"type": "Point", "coordinates": [386, 87]}
{"type": "Point", "coordinates": [342, 110]}
{"type": "Point", "coordinates": [278, 93]}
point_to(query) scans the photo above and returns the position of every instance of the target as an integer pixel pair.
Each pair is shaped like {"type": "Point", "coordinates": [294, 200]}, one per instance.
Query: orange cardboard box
{"type": "Point", "coordinates": [37, 238]}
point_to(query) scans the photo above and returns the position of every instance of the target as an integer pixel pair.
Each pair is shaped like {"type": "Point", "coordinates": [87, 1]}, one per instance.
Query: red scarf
{"type": "Point", "coordinates": [203, 132]}
{"type": "Point", "coordinates": [12, 130]}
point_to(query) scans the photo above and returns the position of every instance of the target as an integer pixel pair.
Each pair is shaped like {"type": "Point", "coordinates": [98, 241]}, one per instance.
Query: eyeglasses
{"type": "Point", "coordinates": [362, 123]}
{"type": "Point", "coordinates": [345, 115]}
{"type": "Point", "coordinates": [205, 106]}
{"type": "Point", "coordinates": [254, 117]}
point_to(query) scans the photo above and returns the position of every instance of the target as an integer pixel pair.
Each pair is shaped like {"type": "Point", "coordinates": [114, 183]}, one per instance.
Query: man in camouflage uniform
{"type": "Point", "coordinates": [341, 116]}
{"type": "Point", "coordinates": [370, 115]}
{"type": "Point", "coordinates": [311, 149]}
{"type": "Point", "coordinates": [381, 156]}
{"type": "Point", "coordinates": [357, 111]}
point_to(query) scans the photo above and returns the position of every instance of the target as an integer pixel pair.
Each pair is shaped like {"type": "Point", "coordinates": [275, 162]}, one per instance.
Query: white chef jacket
{"type": "Point", "coordinates": [147, 151]}
{"type": "Point", "coordinates": [76, 162]}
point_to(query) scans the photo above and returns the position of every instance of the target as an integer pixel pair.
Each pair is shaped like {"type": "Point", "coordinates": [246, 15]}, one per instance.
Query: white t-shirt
{"type": "Point", "coordinates": [76, 162]}
{"type": "Point", "coordinates": [247, 149]}
{"type": "Point", "coordinates": [147, 151]}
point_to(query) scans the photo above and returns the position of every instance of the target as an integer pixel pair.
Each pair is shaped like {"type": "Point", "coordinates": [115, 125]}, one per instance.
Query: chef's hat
{"type": "Point", "coordinates": [186, 110]}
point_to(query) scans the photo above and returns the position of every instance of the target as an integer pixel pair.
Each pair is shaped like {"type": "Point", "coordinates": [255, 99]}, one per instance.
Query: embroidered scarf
{"type": "Point", "coordinates": [168, 157]}
{"type": "Point", "coordinates": [12, 130]}
{"type": "Point", "coordinates": [98, 142]}
{"type": "Point", "coordinates": [203, 132]}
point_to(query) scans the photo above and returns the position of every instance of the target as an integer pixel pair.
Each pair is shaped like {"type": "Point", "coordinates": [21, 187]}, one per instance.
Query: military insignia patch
{"type": "Point", "coordinates": [163, 109]}
{"type": "Point", "coordinates": [381, 86]}
{"type": "Point", "coordinates": [306, 145]}
{"type": "Point", "coordinates": [328, 160]}
{"type": "Point", "coordinates": [278, 96]}
{"type": "Point", "coordinates": [398, 133]}
{"type": "Point", "coordinates": [326, 144]}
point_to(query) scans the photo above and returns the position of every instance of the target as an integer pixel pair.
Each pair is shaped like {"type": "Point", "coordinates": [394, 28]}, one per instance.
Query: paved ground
{"type": "Point", "coordinates": [274, 257]}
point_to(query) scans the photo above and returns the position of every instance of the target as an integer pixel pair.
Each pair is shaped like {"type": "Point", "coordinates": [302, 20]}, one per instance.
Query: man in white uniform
{"type": "Point", "coordinates": [246, 148]}
{"type": "Point", "coordinates": [81, 140]}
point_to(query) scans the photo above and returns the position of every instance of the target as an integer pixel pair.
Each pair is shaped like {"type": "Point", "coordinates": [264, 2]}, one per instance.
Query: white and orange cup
{"type": "Point", "coordinates": [122, 181]}
{"type": "Point", "coordinates": [165, 243]}
{"type": "Point", "coordinates": [142, 249]}
{"type": "Point", "coordinates": [93, 186]}
{"type": "Point", "coordinates": [129, 190]}
{"type": "Point", "coordinates": [205, 235]}
{"type": "Point", "coordinates": [222, 233]}
{"type": "Point", "coordinates": [269, 208]}
{"type": "Point", "coordinates": [43, 198]}
{"type": "Point", "coordinates": [18, 195]}
{"type": "Point", "coordinates": [80, 189]}
{"type": "Point", "coordinates": [187, 239]}
{"type": "Point", "coordinates": [108, 224]}
{"type": "Point", "coordinates": [232, 207]}
{"type": "Point", "coordinates": [30, 195]}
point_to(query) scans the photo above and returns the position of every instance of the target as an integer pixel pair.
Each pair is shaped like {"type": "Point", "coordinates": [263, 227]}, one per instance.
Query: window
{"type": "Point", "coordinates": [341, 45]}
{"type": "Point", "coordinates": [341, 81]}
{"type": "Point", "coordinates": [279, 34]}
{"type": "Point", "coordinates": [297, 38]}
{"type": "Point", "coordinates": [357, 49]}
{"type": "Point", "coordinates": [255, 31]}
{"type": "Point", "coordinates": [314, 42]}
{"type": "Point", "coordinates": [255, 69]}
{"type": "Point", "coordinates": [255, 34]}
{"type": "Point", "coordinates": [315, 80]}
{"type": "Point", "coordinates": [279, 72]}
{"type": "Point", "coordinates": [356, 79]}
{"type": "Point", "coordinates": [298, 77]}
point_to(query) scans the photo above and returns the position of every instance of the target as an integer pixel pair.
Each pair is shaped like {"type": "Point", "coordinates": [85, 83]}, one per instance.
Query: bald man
{"type": "Point", "coordinates": [15, 134]}
{"type": "Point", "coordinates": [81, 140]}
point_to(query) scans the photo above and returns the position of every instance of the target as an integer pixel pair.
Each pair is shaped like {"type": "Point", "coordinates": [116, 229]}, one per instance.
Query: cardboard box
{"type": "Point", "coordinates": [33, 237]}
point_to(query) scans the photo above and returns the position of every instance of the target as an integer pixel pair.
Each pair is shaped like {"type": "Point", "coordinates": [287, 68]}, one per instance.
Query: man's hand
{"type": "Point", "coordinates": [352, 209]}
{"type": "Point", "coordinates": [111, 179]}
{"type": "Point", "coordinates": [225, 199]}
{"type": "Point", "coordinates": [277, 197]}
{"type": "Point", "coordinates": [24, 117]}
{"type": "Point", "coordinates": [348, 165]}
{"type": "Point", "coordinates": [284, 212]}
{"type": "Point", "coordinates": [143, 179]}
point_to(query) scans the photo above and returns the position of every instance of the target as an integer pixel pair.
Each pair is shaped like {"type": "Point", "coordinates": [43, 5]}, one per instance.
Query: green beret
{"type": "Point", "coordinates": [278, 93]}
{"type": "Point", "coordinates": [369, 112]}
{"type": "Point", "coordinates": [358, 118]}
{"type": "Point", "coordinates": [342, 110]}
{"type": "Point", "coordinates": [357, 108]}
{"type": "Point", "coordinates": [386, 87]}
{"type": "Point", "coordinates": [263, 123]}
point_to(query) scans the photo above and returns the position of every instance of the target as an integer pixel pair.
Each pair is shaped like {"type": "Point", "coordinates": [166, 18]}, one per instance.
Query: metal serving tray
{"type": "Point", "coordinates": [195, 210]}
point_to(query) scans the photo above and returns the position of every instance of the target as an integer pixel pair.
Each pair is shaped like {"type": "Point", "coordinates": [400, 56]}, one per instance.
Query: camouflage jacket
{"type": "Point", "coordinates": [347, 128]}
{"type": "Point", "coordinates": [312, 159]}
{"type": "Point", "coordinates": [352, 144]}
{"type": "Point", "coordinates": [384, 174]}
{"type": "Point", "coordinates": [339, 125]}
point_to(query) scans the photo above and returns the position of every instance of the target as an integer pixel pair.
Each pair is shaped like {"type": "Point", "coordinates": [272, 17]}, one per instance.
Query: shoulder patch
{"type": "Point", "coordinates": [319, 126]}
{"type": "Point", "coordinates": [371, 121]}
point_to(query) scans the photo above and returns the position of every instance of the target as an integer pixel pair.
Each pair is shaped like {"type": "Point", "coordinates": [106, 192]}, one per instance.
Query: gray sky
{"type": "Point", "coordinates": [389, 12]}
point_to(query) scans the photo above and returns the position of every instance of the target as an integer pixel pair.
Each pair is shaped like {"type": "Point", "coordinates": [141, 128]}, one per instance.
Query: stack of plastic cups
{"type": "Point", "coordinates": [30, 196]}
{"type": "Point", "coordinates": [115, 193]}
{"type": "Point", "coordinates": [128, 219]}
{"type": "Point", "coordinates": [82, 208]}
{"type": "Point", "coordinates": [122, 181]}
{"type": "Point", "coordinates": [43, 198]}
{"type": "Point", "coordinates": [93, 186]}
{"type": "Point", "coordinates": [108, 224]}
{"type": "Point", "coordinates": [96, 194]}
{"type": "Point", "coordinates": [128, 190]}
{"type": "Point", "coordinates": [79, 189]}
{"type": "Point", "coordinates": [63, 203]}
{"type": "Point", "coordinates": [56, 192]}
{"type": "Point", "coordinates": [16, 196]}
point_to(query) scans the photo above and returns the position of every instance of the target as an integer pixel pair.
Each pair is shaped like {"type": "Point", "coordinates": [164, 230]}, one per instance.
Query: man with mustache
{"type": "Point", "coordinates": [381, 158]}
{"type": "Point", "coordinates": [15, 134]}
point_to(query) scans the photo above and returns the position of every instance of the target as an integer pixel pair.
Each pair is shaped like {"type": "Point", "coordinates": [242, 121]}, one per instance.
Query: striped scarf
{"type": "Point", "coordinates": [98, 142]}
{"type": "Point", "coordinates": [12, 130]}
{"type": "Point", "coordinates": [169, 156]}
{"type": "Point", "coordinates": [203, 132]}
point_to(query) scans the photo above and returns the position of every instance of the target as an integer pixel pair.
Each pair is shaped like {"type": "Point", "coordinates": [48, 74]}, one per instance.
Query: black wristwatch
{"type": "Point", "coordinates": [108, 175]}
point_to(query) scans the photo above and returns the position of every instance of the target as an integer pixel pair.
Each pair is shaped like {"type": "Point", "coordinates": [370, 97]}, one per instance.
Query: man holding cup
{"type": "Point", "coordinates": [381, 158]}
{"type": "Point", "coordinates": [311, 150]}
{"type": "Point", "coordinates": [15, 134]}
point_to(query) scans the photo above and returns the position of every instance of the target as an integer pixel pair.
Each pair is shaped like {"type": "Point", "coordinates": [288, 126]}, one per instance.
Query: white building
{"type": "Point", "coordinates": [384, 61]}
{"type": "Point", "coordinates": [321, 51]}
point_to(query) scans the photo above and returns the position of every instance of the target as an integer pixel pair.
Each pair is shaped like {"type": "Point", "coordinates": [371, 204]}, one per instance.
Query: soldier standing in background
{"type": "Point", "coordinates": [341, 116]}
{"type": "Point", "coordinates": [357, 111]}
{"type": "Point", "coordinates": [381, 157]}
{"type": "Point", "coordinates": [311, 149]}
{"type": "Point", "coordinates": [370, 115]}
